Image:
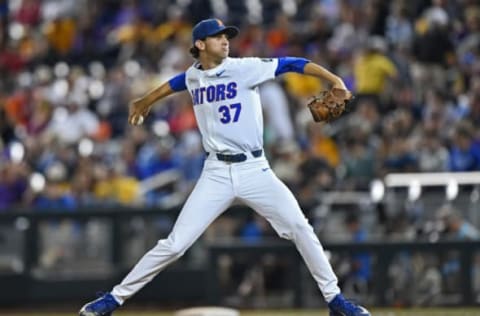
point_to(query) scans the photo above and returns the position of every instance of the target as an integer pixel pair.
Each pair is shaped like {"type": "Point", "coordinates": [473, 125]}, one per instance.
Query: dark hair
{"type": "Point", "coordinates": [464, 129]}
{"type": "Point", "coordinates": [194, 51]}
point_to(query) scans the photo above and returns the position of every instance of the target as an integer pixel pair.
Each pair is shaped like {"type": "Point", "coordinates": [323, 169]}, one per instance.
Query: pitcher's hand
{"type": "Point", "coordinates": [138, 111]}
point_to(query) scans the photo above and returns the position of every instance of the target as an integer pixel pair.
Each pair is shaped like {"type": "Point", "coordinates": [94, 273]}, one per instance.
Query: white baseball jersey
{"type": "Point", "coordinates": [227, 103]}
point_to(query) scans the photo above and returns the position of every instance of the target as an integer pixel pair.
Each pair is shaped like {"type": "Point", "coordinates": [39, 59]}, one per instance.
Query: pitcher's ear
{"type": "Point", "coordinates": [199, 44]}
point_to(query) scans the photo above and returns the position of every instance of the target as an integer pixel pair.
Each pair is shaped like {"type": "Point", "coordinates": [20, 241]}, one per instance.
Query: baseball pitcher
{"type": "Point", "coordinates": [227, 107]}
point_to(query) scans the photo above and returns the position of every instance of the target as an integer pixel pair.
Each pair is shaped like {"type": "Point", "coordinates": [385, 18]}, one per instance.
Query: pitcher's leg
{"type": "Point", "coordinates": [206, 202]}
{"type": "Point", "coordinates": [268, 196]}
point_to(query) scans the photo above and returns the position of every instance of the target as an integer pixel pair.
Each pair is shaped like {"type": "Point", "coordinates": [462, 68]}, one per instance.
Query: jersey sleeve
{"type": "Point", "coordinates": [290, 64]}
{"type": "Point", "coordinates": [178, 83]}
{"type": "Point", "coordinates": [256, 71]}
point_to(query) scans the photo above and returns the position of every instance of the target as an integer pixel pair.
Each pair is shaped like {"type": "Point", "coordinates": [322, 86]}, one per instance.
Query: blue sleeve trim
{"type": "Point", "coordinates": [177, 83]}
{"type": "Point", "coordinates": [290, 64]}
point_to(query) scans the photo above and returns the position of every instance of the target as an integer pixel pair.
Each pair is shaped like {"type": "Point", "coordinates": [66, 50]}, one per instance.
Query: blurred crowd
{"type": "Point", "coordinates": [69, 69]}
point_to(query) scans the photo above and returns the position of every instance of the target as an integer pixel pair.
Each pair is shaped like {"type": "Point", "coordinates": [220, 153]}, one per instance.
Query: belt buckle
{"type": "Point", "coordinates": [228, 158]}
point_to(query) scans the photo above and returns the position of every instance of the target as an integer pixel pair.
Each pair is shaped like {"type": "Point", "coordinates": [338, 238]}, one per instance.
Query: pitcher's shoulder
{"type": "Point", "coordinates": [252, 60]}
{"type": "Point", "coordinates": [246, 62]}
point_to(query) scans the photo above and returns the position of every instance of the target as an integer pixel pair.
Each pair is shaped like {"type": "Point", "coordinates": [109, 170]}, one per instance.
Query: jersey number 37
{"type": "Point", "coordinates": [230, 113]}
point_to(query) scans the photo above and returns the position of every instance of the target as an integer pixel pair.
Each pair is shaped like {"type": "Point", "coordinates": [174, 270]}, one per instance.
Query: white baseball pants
{"type": "Point", "coordinates": [254, 183]}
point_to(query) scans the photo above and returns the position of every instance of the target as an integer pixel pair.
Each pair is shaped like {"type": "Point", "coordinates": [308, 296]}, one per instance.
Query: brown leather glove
{"type": "Point", "coordinates": [329, 105]}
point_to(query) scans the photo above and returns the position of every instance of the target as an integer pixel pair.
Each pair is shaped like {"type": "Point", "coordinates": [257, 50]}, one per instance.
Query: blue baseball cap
{"type": "Point", "coordinates": [211, 27]}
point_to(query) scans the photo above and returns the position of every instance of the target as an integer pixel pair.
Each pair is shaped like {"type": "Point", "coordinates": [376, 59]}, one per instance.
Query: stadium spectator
{"type": "Point", "coordinates": [456, 227]}
{"type": "Point", "coordinates": [373, 69]}
{"type": "Point", "coordinates": [465, 151]}
{"type": "Point", "coordinates": [78, 121]}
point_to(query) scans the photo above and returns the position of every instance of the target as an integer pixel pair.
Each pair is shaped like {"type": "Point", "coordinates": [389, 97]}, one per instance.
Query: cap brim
{"type": "Point", "coordinates": [230, 31]}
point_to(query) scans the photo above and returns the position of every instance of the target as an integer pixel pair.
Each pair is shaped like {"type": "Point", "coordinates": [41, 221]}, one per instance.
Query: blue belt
{"type": "Point", "coordinates": [238, 157]}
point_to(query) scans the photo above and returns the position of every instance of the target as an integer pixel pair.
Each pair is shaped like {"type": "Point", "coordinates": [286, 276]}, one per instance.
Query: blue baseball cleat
{"type": "Point", "coordinates": [340, 306]}
{"type": "Point", "coordinates": [102, 306]}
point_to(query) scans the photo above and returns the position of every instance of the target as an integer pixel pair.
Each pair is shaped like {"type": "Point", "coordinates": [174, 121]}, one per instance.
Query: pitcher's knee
{"type": "Point", "coordinates": [294, 228]}
{"type": "Point", "coordinates": [173, 248]}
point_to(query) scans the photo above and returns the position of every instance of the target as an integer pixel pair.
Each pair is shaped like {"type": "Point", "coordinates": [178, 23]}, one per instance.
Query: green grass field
{"type": "Point", "coordinates": [375, 312]}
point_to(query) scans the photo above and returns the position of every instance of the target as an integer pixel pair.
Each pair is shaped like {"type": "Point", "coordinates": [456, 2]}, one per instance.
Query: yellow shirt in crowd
{"type": "Point", "coordinates": [122, 189]}
{"type": "Point", "coordinates": [371, 72]}
{"type": "Point", "coordinates": [302, 86]}
{"type": "Point", "coordinates": [61, 34]}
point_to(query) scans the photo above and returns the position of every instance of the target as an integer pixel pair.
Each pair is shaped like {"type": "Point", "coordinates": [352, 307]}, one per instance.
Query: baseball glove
{"type": "Point", "coordinates": [329, 104]}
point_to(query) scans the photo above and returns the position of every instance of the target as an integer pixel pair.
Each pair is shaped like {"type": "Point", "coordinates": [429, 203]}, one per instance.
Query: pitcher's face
{"type": "Point", "coordinates": [217, 46]}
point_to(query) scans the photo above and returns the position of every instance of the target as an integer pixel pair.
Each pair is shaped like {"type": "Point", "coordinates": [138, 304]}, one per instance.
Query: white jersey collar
{"type": "Point", "coordinates": [212, 71]}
